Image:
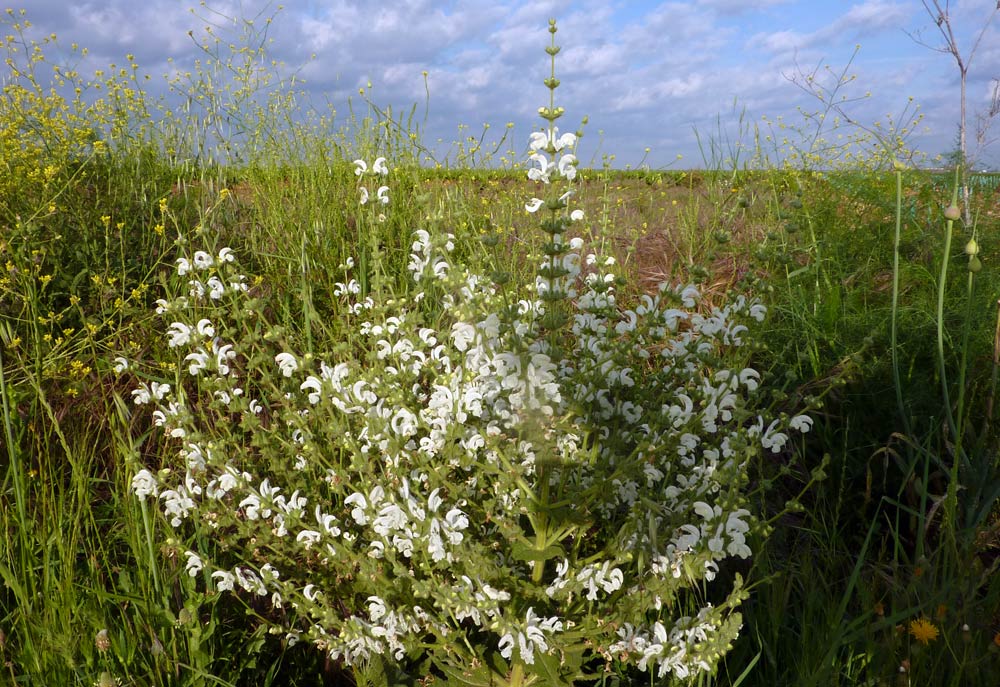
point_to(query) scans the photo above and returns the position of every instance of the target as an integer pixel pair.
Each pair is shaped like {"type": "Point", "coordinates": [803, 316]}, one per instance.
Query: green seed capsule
{"type": "Point", "coordinates": [971, 248]}
{"type": "Point", "coordinates": [974, 264]}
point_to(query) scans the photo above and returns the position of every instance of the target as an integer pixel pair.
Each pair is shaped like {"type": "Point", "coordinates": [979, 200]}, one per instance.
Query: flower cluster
{"type": "Point", "coordinates": [380, 169]}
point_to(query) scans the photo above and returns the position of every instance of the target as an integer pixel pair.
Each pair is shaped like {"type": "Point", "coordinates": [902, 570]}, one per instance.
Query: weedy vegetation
{"type": "Point", "coordinates": [286, 403]}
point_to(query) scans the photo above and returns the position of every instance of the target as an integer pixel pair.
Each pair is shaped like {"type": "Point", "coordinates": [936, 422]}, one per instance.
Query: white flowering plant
{"type": "Point", "coordinates": [489, 485]}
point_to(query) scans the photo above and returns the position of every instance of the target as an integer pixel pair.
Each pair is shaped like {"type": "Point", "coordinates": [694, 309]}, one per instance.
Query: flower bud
{"type": "Point", "coordinates": [101, 641]}
{"type": "Point", "coordinates": [975, 264]}
{"type": "Point", "coordinates": [952, 212]}
{"type": "Point", "coordinates": [971, 248]}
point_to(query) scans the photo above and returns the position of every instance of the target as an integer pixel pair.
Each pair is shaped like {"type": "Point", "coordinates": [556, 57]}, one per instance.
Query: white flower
{"type": "Point", "coordinates": [315, 386]}
{"type": "Point", "coordinates": [801, 423]}
{"type": "Point", "coordinates": [690, 296]}
{"type": "Point", "coordinates": [177, 503]}
{"type": "Point", "coordinates": [360, 167]}
{"type": "Point", "coordinates": [226, 255]}
{"type": "Point", "coordinates": [197, 289]}
{"type": "Point", "coordinates": [749, 377]}
{"type": "Point", "coordinates": [141, 395]}
{"type": "Point", "coordinates": [144, 484]}
{"type": "Point", "coordinates": [226, 580]}
{"type": "Point", "coordinates": [576, 215]}
{"type": "Point", "coordinates": [383, 194]}
{"type": "Point", "coordinates": [540, 140]}
{"type": "Point", "coordinates": [380, 167]}
{"type": "Point", "coordinates": [567, 166]}
{"type": "Point", "coordinates": [462, 334]}
{"type": "Point", "coordinates": [202, 260]}
{"type": "Point", "coordinates": [223, 354]}
{"type": "Point", "coordinates": [194, 563]}
{"type": "Point", "coordinates": [159, 390]}
{"type": "Point", "coordinates": [287, 363]}
{"type": "Point", "coordinates": [216, 288]}
{"type": "Point", "coordinates": [404, 423]}
{"type": "Point", "coordinates": [360, 504]}
{"type": "Point", "coordinates": [198, 360]}
{"type": "Point", "coordinates": [543, 170]}
{"type": "Point", "coordinates": [773, 439]}
{"type": "Point", "coordinates": [205, 328]}
{"type": "Point", "coordinates": [534, 204]}
{"type": "Point", "coordinates": [307, 538]}
{"type": "Point", "coordinates": [533, 636]}
{"type": "Point", "coordinates": [121, 364]}
{"type": "Point", "coordinates": [183, 266]}
{"type": "Point", "coordinates": [364, 195]}
{"type": "Point", "coordinates": [704, 510]}
{"type": "Point", "coordinates": [178, 334]}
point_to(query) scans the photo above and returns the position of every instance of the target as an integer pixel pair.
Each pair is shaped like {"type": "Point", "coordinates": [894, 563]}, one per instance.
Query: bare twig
{"type": "Point", "coordinates": [941, 16]}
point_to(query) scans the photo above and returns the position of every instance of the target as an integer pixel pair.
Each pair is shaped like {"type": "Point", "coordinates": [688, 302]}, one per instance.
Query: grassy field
{"type": "Point", "coordinates": [877, 534]}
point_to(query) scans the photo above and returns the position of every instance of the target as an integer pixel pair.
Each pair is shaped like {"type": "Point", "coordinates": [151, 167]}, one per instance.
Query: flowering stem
{"type": "Point", "coordinates": [951, 499]}
{"type": "Point", "coordinates": [940, 319]}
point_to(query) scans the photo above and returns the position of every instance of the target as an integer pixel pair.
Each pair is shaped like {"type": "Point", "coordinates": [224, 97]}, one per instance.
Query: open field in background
{"type": "Point", "coordinates": [879, 534]}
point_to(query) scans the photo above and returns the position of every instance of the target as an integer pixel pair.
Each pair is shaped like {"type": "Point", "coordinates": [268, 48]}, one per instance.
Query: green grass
{"type": "Point", "coordinates": [905, 525]}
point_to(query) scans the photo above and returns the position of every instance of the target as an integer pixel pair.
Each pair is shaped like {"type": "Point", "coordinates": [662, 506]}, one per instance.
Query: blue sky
{"type": "Point", "coordinates": [646, 74]}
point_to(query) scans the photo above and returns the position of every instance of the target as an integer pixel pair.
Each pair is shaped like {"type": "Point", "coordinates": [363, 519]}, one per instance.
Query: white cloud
{"type": "Point", "coordinates": [644, 73]}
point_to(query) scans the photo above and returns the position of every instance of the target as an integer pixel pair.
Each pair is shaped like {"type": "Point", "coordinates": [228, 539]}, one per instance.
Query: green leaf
{"type": "Point", "coordinates": [554, 670]}
{"type": "Point", "coordinates": [524, 551]}
{"type": "Point", "coordinates": [480, 676]}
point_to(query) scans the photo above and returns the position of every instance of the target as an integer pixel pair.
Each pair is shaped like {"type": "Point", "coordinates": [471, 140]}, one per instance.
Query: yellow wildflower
{"type": "Point", "coordinates": [923, 630]}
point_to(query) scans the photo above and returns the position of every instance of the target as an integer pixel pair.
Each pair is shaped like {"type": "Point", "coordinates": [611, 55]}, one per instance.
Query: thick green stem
{"type": "Point", "coordinates": [517, 676]}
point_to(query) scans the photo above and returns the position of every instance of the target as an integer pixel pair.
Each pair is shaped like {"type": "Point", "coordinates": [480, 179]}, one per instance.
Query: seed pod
{"type": "Point", "coordinates": [975, 264]}
{"type": "Point", "coordinates": [952, 212]}
{"type": "Point", "coordinates": [971, 248]}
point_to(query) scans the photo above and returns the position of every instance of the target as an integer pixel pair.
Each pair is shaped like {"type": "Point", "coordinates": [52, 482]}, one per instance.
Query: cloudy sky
{"type": "Point", "coordinates": [646, 74]}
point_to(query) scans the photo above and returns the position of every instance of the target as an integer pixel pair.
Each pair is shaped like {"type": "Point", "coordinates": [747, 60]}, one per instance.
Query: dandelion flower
{"type": "Point", "coordinates": [923, 630]}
